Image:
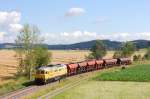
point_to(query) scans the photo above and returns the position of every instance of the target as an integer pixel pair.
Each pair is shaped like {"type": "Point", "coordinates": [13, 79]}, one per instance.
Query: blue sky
{"type": "Point", "coordinates": [68, 21]}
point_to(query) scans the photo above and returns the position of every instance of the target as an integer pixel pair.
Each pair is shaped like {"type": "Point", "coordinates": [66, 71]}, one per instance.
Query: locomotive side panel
{"type": "Point", "coordinates": [48, 74]}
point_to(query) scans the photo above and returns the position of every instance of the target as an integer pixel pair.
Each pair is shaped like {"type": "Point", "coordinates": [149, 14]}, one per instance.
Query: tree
{"type": "Point", "coordinates": [29, 54]}
{"type": "Point", "coordinates": [137, 58]}
{"type": "Point", "coordinates": [90, 56]}
{"type": "Point", "coordinates": [127, 49]}
{"type": "Point", "coordinates": [98, 50]}
{"type": "Point", "coordinates": [117, 54]}
{"type": "Point", "coordinates": [147, 54]}
{"type": "Point", "coordinates": [42, 56]}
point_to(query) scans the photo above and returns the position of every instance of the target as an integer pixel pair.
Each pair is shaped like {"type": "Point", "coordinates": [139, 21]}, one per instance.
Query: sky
{"type": "Point", "coordinates": [72, 21]}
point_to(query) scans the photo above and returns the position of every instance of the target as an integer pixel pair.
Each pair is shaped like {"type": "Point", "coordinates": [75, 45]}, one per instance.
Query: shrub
{"type": "Point", "coordinates": [147, 55]}
{"type": "Point", "coordinates": [98, 50]}
{"type": "Point", "coordinates": [137, 57]}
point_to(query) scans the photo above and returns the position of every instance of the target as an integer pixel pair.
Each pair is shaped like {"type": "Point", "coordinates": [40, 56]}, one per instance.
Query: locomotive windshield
{"type": "Point", "coordinates": [40, 72]}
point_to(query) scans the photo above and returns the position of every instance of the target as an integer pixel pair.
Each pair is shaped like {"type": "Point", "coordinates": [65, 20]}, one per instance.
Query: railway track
{"type": "Point", "coordinates": [25, 91]}
{"type": "Point", "coordinates": [19, 94]}
{"type": "Point", "coordinates": [83, 77]}
{"type": "Point", "coordinates": [60, 90]}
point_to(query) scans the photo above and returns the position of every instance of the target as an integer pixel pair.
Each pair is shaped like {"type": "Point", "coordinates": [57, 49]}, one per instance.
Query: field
{"type": "Point", "coordinates": [138, 73]}
{"type": "Point", "coordinates": [107, 90]}
{"type": "Point", "coordinates": [62, 56]}
{"type": "Point", "coordinates": [94, 88]}
{"type": "Point", "coordinates": [8, 61]}
{"type": "Point", "coordinates": [8, 65]}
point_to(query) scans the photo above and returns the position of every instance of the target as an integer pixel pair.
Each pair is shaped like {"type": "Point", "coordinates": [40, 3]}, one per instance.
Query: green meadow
{"type": "Point", "coordinates": [114, 83]}
{"type": "Point", "coordinates": [140, 73]}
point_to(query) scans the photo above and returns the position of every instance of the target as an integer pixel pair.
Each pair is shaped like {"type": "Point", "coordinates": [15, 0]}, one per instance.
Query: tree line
{"type": "Point", "coordinates": [98, 51]}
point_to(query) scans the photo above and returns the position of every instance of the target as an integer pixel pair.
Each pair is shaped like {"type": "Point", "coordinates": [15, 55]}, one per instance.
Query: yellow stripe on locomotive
{"type": "Point", "coordinates": [47, 74]}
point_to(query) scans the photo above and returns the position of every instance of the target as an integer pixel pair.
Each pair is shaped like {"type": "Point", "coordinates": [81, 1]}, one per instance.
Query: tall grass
{"type": "Point", "coordinates": [15, 84]}
{"type": "Point", "coordinates": [139, 73]}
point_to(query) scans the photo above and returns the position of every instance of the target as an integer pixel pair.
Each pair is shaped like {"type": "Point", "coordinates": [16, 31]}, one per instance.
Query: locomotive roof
{"type": "Point", "coordinates": [52, 67]}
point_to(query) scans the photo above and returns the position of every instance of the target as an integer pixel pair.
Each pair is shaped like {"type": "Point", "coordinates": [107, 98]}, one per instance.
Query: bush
{"type": "Point", "coordinates": [117, 54]}
{"type": "Point", "coordinates": [90, 56]}
{"type": "Point", "coordinates": [137, 57]}
{"type": "Point", "coordinates": [127, 49]}
{"type": "Point", "coordinates": [98, 50]}
{"type": "Point", "coordinates": [147, 55]}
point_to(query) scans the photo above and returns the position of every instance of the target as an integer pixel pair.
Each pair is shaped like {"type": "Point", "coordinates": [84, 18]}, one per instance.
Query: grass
{"type": "Point", "coordinates": [136, 73]}
{"type": "Point", "coordinates": [53, 87]}
{"type": "Point", "coordinates": [61, 84]}
{"type": "Point", "coordinates": [121, 84]}
{"type": "Point", "coordinates": [17, 83]}
{"type": "Point", "coordinates": [107, 90]}
{"type": "Point", "coordinates": [46, 90]}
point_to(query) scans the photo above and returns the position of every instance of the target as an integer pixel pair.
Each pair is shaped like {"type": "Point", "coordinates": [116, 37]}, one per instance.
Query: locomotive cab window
{"type": "Point", "coordinates": [46, 72]}
{"type": "Point", "coordinates": [42, 72]}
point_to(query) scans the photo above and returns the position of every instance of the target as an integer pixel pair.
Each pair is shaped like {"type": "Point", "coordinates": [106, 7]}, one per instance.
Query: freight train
{"type": "Point", "coordinates": [46, 74]}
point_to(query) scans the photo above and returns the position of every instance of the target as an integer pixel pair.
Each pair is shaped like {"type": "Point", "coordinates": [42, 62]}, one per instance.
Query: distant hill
{"type": "Point", "coordinates": [110, 45]}
{"type": "Point", "coordinates": [7, 45]}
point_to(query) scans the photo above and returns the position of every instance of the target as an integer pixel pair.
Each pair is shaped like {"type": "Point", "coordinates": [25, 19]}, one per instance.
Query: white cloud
{"type": "Point", "coordinates": [15, 27]}
{"type": "Point", "coordinates": [79, 36]}
{"type": "Point", "coordinates": [9, 17]}
{"type": "Point", "coordinates": [67, 38]}
{"type": "Point", "coordinates": [10, 21]}
{"type": "Point", "coordinates": [75, 12]}
{"type": "Point", "coordinates": [126, 36]}
{"type": "Point", "coordinates": [9, 25]}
